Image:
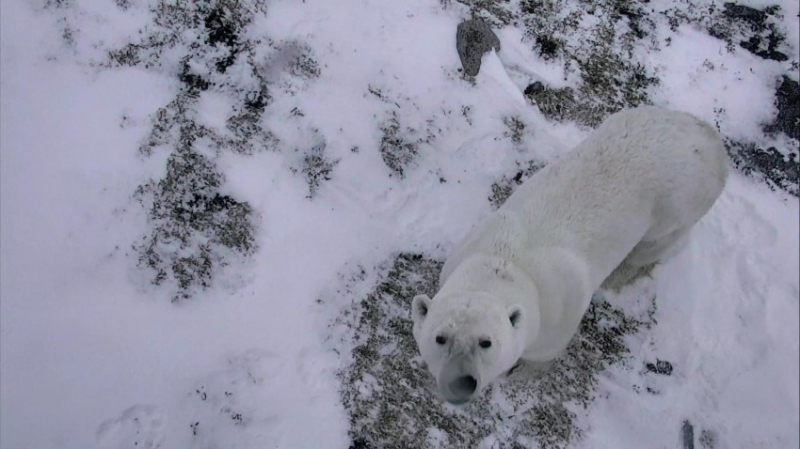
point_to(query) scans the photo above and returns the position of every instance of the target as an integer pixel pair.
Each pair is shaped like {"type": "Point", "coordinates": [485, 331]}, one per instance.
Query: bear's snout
{"type": "Point", "coordinates": [459, 381]}
{"type": "Point", "coordinates": [464, 386]}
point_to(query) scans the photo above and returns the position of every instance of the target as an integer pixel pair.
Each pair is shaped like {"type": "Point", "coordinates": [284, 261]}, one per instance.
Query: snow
{"type": "Point", "coordinates": [697, 62]}
{"type": "Point", "coordinates": [737, 359]}
{"type": "Point", "coordinates": [91, 355]}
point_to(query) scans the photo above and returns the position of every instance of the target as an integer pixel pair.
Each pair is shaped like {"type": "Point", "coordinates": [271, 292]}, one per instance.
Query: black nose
{"type": "Point", "coordinates": [464, 386]}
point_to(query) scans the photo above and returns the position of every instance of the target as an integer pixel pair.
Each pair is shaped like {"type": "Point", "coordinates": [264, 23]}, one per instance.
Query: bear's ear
{"type": "Point", "coordinates": [419, 308]}
{"type": "Point", "coordinates": [515, 315]}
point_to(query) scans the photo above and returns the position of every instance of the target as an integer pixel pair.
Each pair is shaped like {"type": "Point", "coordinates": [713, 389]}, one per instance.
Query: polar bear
{"type": "Point", "coordinates": [519, 284]}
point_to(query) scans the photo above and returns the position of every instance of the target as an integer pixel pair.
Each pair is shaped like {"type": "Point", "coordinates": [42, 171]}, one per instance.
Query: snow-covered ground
{"type": "Point", "coordinates": [149, 303]}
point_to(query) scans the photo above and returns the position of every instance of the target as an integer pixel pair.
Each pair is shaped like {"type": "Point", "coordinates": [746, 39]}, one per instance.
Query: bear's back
{"type": "Point", "coordinates": [643, 172]}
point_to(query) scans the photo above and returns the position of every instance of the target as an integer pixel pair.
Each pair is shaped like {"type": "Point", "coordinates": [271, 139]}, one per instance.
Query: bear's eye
{"type": "Point", "coordinates": [440, 339]}
{"type": "Point", "coordinates": [485, 344]}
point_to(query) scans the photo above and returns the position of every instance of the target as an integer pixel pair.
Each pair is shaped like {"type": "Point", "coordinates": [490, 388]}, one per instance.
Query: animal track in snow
{"type": "Point", "coordinates": [139, 427]}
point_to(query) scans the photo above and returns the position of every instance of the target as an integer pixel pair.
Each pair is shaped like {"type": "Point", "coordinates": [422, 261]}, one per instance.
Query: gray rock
{"type": "Point", "coordinates": [474, 38]}
{"type": "Point", "coordinates": [660, 367]}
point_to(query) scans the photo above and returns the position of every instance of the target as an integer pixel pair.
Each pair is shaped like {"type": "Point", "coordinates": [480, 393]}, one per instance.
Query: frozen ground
{"type": "Point", "coordinates": [214, 215]}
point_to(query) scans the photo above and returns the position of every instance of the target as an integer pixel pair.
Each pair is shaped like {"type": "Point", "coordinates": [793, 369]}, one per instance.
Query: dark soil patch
{"type": "Point", "coordinates": [397, 152]}
{"type": "Point", "coordinates": [316, 168]}
{"type": "Point", "coordinates": [787, 100]}
{"type": "Point", "coordinates": [548, 47]}
{"type": "Point", "coordinates": [194, 226]}
{"type": "Point", "coordinates": [400, 145]}
{"type": "Point", "coordinates": [503, 188]}
{"type": "Point", "coordinates": [765, 37]}
{"type": "Point", "coordinates": [611, 77]}
{"type": "Point", "coordinates": [195, 230]}
{"type": "Point", "coordinates": [737, 25]}
{"type": "Point", "coordinates": [777, 169]}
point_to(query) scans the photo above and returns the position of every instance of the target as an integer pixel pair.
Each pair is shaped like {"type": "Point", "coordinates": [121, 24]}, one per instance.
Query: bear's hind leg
{"type": "Point", "coordinates": [644, 257]}
{"type": "Point", "coordinates": [653, 251]}
{"type": "Point", "coordinates": [625, 274]}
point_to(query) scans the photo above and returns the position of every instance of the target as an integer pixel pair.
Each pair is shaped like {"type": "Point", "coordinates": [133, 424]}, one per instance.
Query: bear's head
{"type": "Point", "coordinates": [467, 340]}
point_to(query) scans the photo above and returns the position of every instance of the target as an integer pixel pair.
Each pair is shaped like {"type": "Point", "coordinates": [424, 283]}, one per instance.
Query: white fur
{"type": "Point", "coordinates": [629, 192]}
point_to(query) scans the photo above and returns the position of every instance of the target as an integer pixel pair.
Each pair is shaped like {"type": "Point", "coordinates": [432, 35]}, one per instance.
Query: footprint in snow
{"type": "Point", "coordinates": [139, 427]}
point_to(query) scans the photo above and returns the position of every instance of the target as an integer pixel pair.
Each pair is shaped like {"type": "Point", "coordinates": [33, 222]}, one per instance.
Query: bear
{"type": "Point", "coordinates": [518, 285]}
